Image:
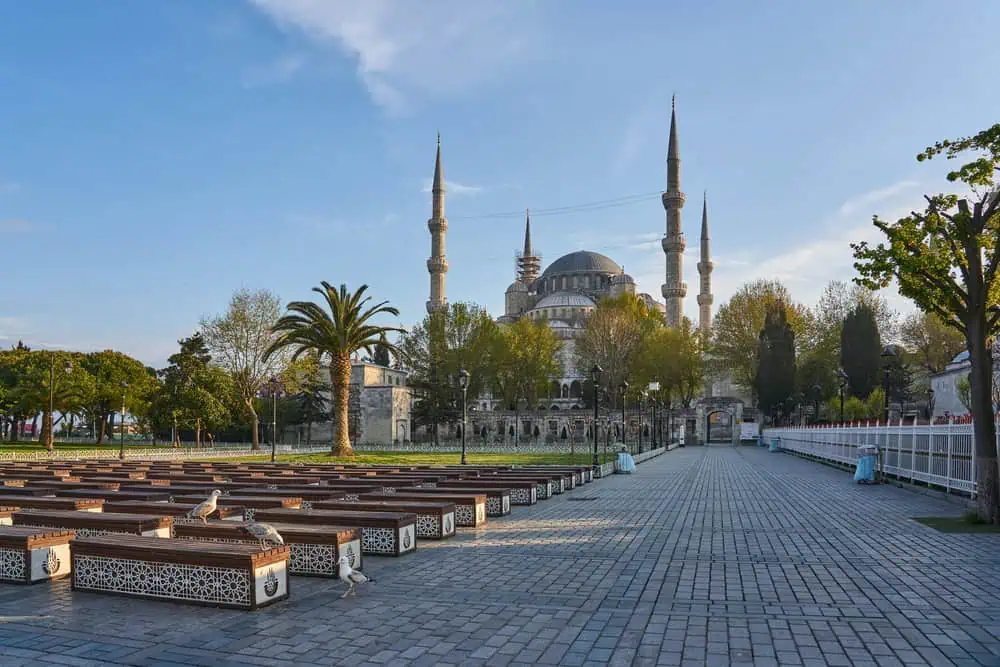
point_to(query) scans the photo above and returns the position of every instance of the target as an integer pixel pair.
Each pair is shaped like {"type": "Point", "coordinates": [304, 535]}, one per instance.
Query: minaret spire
{"type": "Point", "coordinates": [437, 264]}
{"type": "Point", "coordinates": [673, 289]}
{"type": "Point", "coordinates": [528, 263]}
{"type": "Point", "coordinates": [705, 267]}
{"type": "Point", "coordinates": [527, 232]}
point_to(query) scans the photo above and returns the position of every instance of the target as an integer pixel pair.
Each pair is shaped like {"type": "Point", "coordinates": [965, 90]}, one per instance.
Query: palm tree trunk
{"type": "Point", "coordinates": [340, 379]}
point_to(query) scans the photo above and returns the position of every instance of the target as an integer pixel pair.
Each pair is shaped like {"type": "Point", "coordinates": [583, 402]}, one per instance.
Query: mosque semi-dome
{"type": "Point", "coordinates": [582, 261]}
{"type": "Point", "coordinates": [565, 300]}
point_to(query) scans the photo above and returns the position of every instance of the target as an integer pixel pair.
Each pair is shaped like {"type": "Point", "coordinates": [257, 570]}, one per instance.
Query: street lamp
{"type": "Point", "coordinates": [595, 376]}
{"type": "Point", "coordinates": [49, 436]}
{"type": "Point", "coordinates": [463, 382]}
{"type": "Point", "coordinates": [274, 388]}
{"type": "Point", "coordinates": [887, 355]}
{"type": "Point", "coordinates": [624, 388]}
{"type": "Point", "coordinates": [842, 378]}
{"type": "Point", "coordinates": [817, 391]}
{"type": "Point", "coordinates": [121, 451]}
{"type": "Point", "coordinates": [930, 405]}
{"type": "Point", "coordinates": [653, 388]}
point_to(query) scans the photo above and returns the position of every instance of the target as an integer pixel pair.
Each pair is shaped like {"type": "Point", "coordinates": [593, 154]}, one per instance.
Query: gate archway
{"type": "Point", "coordinates": [719, 426]}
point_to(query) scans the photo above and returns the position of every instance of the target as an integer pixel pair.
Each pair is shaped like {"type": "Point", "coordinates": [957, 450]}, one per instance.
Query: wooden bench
{"type": "Point", "coordinates": [149, 496]}
{"type": "Point", "coordinates": [240, 576]}
{"type": "Point", "coordinates": [522, 492]}
{"type": "Point", "coordinates": [470, 508]}
{"type": "Point", "coordinates": [7, 516]}
{"type": "Point", "coordinates": [545, 486]}
{"type": "Point", "coordinates": [30, 555]}
{"type": "Point", "coordinates": [176, 510]}
{"type": "Point", "coordinates": [382, 533]}
{"type": "Point", "coordinates": [435, 520]}
{"type": "Point", "coordinates": [24, 491]}
{"type": "Point", "coordinates": [87, 524]}
{"type": "Point", "coordinates": [497, 499]}
{"type": "Point", "coordinates": [250, 504]}
{"type": "Point", "coordinates": [315, 550]}
{"type": "Point", "coordinates": [309, 495]}
{"type": "Point", "coordinates": [40, 503]}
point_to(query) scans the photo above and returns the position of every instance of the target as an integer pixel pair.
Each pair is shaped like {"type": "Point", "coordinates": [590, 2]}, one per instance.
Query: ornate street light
{"type": "Point", "coordinates": [274, 389]}
{"type": "Point", "coordinates": [121, 451]}
{"type": "Point", "coordinates": [887, 355]}
{"type": "Point", "coordinates": [653, 388]}
{"type": "Point", "coordinates": [595, 376]}
{"type": "Point", "coordinates": [624, 388]}
{"type": "Point", "coordinates": [49, 436]}
{"type": "Point", "coordinates": [842, 378]}
{"type": "Point", "coordinates": [463, 382]}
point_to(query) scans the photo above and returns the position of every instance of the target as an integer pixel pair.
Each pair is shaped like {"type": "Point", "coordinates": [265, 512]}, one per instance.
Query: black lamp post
{"type": "Point", "coordinates": [624, 388]}
{"type": "Point", "coordinates": [653, 388]}
{"type": "Point", "coordinates": [121, 450]}
{"type": "Point", "coordinates": [930, 405]}
{"type": "Point", "coordinates": [50, 434]}
{"type": "Point", "coordinates": [595, 377]}
{"type": "Point", "coordinates": [274, 388]}
{"type": "Point", "coordinates": [817, 391]}
{"type": "Point", "coordinates": [887, 356]}
{"type": "Point", "coordinates": [842, 377]}
{"type": "Point", "coordinates": [463, 382]}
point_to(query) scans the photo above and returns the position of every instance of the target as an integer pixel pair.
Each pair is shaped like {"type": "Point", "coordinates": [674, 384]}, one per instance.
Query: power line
{"type": "Point", "coordinates": [565, 210]}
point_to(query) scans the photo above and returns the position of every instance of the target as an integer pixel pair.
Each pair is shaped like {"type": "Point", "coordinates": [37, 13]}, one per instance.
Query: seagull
{"type": "Point", "coordinates": [351, 577]}
{"type": "Point", "coordinates": [264, 532]}
{"type": "Point", "coordinates": [204, 509]}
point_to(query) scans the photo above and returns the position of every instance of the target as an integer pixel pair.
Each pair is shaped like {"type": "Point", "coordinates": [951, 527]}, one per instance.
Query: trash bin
{"type": "Point", "coordinates": [761, 441]}
{"type": "Point", "coordinates": [865, 473]}
{"type": "Point", "coordinates": [775, 443]}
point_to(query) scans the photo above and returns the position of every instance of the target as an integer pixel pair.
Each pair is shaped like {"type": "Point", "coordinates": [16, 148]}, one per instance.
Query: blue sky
{"type": "Point", "coordinates": [156, 156]}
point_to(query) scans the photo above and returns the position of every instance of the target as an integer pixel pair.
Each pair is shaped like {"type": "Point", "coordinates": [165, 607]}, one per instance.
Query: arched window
{"type": "Point", "coordinates": [575, 389]}
{"type": "Point", "coordinates": [554, 389]}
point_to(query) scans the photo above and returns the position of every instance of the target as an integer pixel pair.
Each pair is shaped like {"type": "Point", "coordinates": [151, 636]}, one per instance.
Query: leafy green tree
{"type": "Point", "coordinates": [333, 333]}
{"type": "Point", "coordinates": [39, 370]}
{"type": "Point", "coordinates": [110, 369]}
{"type": "Point", "coordinates": [946, 259]}
{"type": "Point", "coordinates": [931, 343]}
{"type": "Point", "coordinates": [775, 380]}
{"type": "Point", "coordinates": [861, 350]}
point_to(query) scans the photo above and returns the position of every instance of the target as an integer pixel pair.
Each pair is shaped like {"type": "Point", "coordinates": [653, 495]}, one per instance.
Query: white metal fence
{"type": "Point", "coordinates": [941, 455]}
{"type": "Point", "coordinates": [163, 453]}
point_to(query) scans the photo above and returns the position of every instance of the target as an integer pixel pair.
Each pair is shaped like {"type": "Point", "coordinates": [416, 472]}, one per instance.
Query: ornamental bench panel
{"type": "Point", "coordinates": [497, 499]}
{"type": "Point", "coordinates": [522, 492]}
{"type": "Point", "coordinates": [470, 508]}
{"type": "Point", "coordinates": [29, 555]}
{"type": "Point", "coordinates": [42, 503]}
{"type": "Point", "coordinates": [149, 496]}
{"type": "Point", "coordinates": [175, 510]}
{"type": "Point", "coordinates": [309, 495]}
{"type": "Point", "coordinates": [575, 475]}
{"type": "Point", "coordinates": [240, 576]}
{"type": "Point", "coordinates": [545, 487]}
{"type": "Point", "coordinates": [382, 533]}
{"type": "Point", "coordinates": [435, 520]}
{"type": "Point", "coordinates": [314, 550]}
{"type": "Point", "coordinates": [250, 504]}
{"type": "Point", "coordinates": [87, 524]}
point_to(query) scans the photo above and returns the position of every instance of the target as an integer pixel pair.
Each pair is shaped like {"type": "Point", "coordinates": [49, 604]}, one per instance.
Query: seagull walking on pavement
{"type": "Point", "coordinates": [351, 577]}
{"type": "Point", "coordinates": [204, 509]}
{"type": "Point", "coordinates": [265, 532]}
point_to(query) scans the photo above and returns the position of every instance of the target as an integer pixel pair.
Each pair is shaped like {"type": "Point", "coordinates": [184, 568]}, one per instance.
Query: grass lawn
{"type": "Point", "coordinates": [434, 459]}
{"type": "Point", "coordinates": [961, 524]}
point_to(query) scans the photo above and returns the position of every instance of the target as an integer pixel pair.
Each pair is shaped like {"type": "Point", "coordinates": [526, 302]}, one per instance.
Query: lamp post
{"type": "Point", "coordinates": [274, 388]}
{"type": "Point", "coordinates": [121, 450]}
{"type": "Point", "coordinates": [49, 435]}
{"type": "Point", "coordinates": [463, 381]}
{"type": "Point", "coordinates": [653, 388]}
{"type": "Point", "coordinates": [623, 387]}
{"type": "Point", "coordinates": [887, 356]}
{"type": "Point", "coordinates": [595, 376]}
{"type": "Point", "coordinates": [842, 379]}
{"type": "Point", "coordinates": [930, 405]}
{"type": "Point", "coordinates": [817, 391]}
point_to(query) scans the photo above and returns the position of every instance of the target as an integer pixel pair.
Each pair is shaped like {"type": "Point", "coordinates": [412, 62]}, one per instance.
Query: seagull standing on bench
{"type": "Point", "coordinates": [351, 577]}
{"type": "Point", "coordinates": [204, 509]}
{"type": "Point", "coordinates": [264, 532]}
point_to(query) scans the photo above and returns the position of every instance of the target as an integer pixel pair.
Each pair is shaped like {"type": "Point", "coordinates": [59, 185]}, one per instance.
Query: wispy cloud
{"type": "Point", "coordinates": [16, 226]}
{"type": "Point", "coordinates": [274, 73]}
{"type": "Point", "coordinates": [404, 48]}
{"type": "Point", "coordinates": [866, 201]}
{"type": "Point", "coordinates": [453, 188]}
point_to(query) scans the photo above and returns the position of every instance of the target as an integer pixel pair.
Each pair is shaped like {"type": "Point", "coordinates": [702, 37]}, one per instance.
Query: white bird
{"type": "Point", "coordinates": [204, 509]}
{"type": "Point", "coordinates": [351, 577]}
{"type": "Point", "coordinates": [264, 532]}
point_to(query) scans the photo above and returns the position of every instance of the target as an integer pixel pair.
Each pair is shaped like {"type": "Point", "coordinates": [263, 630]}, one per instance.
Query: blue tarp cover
{"type": "Point", "coordinates": [626, 463]}
{"type": "Point", "coordinates": [866, 469]}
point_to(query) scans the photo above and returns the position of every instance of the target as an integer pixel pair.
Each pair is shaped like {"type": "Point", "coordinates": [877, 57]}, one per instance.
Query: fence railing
{"type": "Point", "coordinates": [161, 453]}
{"type": "Point", "coordinates": [941, 455]}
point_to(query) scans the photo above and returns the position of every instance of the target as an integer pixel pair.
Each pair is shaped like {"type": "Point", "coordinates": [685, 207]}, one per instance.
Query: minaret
{"type": "Point", "coordinates": [705, 273]}
{"type": "Point", "coordinates": [673, 289]}
{"type": "Point", "coordinates": [528, 263]}
{"type": "Point", "coordinates": [437, 265]}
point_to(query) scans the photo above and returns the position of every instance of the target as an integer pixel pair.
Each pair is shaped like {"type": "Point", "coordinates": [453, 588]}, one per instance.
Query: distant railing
{"type": "Point", "coordinates": [941, 455]}
{"type": "Point", "coordinates": [162, 453]}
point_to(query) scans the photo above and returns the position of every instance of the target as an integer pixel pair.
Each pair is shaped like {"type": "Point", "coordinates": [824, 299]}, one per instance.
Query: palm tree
{"type": "Point", "coordinates": [336, 334]}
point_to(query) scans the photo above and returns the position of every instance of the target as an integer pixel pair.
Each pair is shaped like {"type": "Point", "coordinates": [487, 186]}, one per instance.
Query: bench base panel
{"type": "Point", "coordinates": [306, 560]}
{"type": "Point", "coordinates": [468, 516]}
{"type": "Point", "coordinates": [30, 567]}
{"type": "Point", "coordinates": [389, 541]}
{"type": "Point", "coordinates": [436, 527]}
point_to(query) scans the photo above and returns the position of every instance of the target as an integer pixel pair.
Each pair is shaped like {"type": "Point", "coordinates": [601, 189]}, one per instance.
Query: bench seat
{"type": "Point", "coordinates": [240, 576]}
{"type": "Point", "coordinates": [522, 492]}
{"type": "Point", "coordinates": [24, 491]}
{"type": "Point", "coordinates": [314, 550]}
{"type": "Point", "coordinates": [44, 503]}
{"type": "Point", "coordinates": [87, 524]}
{"type": "Point", "coordinates": [250, 504]}
{"type": "Point", "coordinates": [545, 485]}
{"type": "Point", "coordinates": [29, 555]}
{"type": "Point", "coordinates": [382, 533]}
{"type": "Point", "coordinates": [7, 516]}
{"type": "Point", "coordinates": [470, 508]}
{"type": "Point", "coordinates": [308, 494]}
{"type": "Point", "coordinates": [115, 495]}
{"type": "Point", "coordinates": [435, 520]}
{"type": "Point", "coordinates": [175, 510]}
{"type": "Point", "coordinates": [497, 499]}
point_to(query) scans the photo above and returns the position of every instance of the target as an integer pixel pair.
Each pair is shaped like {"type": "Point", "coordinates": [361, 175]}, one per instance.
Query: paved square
{"type": "Point", "coordinates": [706, 556]}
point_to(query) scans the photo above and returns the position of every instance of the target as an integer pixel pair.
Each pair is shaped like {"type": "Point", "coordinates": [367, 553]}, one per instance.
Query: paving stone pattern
{"type": "Point", "coordinates": [706, 556]}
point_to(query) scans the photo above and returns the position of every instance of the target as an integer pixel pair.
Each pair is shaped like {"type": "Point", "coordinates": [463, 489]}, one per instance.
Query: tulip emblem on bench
{"type": "Point", "coordinates": [51, 564]}
{"type": "Point", "coordinates": [349, 552]}
{"type": "Point", "coordinates": [406, 539]}
{"type": "Point", "coordinates": [270, 584]}
{"type": "Point", "coordinates": [447, 524]}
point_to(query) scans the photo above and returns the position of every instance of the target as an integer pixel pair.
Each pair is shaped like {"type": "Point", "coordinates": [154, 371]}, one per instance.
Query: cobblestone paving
{"type": "Point", "coordinates": [706, 556]}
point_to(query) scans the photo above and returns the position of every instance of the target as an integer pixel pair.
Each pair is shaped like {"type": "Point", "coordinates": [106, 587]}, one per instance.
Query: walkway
{"type": "Point", "coordinates": [706, 556]}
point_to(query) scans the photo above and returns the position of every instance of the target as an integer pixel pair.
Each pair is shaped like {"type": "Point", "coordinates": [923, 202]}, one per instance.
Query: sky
{"type": "Point", "coordinates": [155, 157]}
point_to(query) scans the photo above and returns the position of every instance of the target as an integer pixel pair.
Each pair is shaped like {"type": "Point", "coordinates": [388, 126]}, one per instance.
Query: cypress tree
{"type": "Point", "coordinates": [861, 351]}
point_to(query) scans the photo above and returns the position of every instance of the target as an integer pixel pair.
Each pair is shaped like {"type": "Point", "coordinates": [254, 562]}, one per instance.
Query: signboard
{"type": "Point", "coordinates": [749, 430]}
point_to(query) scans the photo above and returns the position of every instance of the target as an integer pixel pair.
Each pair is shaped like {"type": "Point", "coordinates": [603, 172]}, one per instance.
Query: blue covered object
{"type": "Point", "coordinates": [626, 464]}
{"type": "Point", "coordinates": [775, 442]}
{"type": "Point", "coordinates": [866, 466]}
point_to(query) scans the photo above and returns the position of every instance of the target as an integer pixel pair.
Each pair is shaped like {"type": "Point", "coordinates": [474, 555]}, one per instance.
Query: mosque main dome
{"type": "Point", "coordinates": [582, 261]}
